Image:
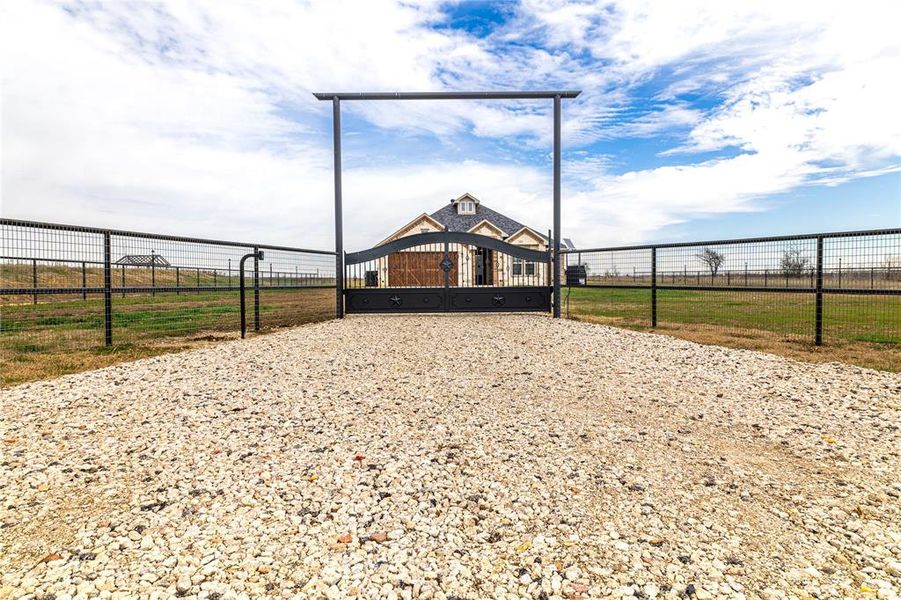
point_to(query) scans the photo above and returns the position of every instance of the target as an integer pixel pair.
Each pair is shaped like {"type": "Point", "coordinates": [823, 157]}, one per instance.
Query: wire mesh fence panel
{"type": "Point", "coordinates": [624, 307]}
{"type": "Point", "coordinates": [294, 288]}
{"type": "Point", "coordinates": [630, 267]}
{"type": "Point", "coordinates": [767, 286]}
{"type": "Point", "coordinates": [170, 288]}
{"type": "Point", "coordinates": [862, 288]}
{"type": "Point", "coordinates": [71, 295]}
{"type": "Point", "coordinates": [762, 314]}
{"type": "Point", "coordinates": [836, 287]}
{"type": "Point", "coordinates": [51, 297]}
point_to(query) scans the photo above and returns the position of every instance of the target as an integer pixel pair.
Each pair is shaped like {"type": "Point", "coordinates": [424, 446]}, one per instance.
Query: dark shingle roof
{"type": "Point", "coordinates": [448, 216]}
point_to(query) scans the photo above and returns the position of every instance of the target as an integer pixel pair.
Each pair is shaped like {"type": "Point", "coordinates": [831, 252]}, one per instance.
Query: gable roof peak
{"type": "Point", "coordinates": [465, 196]}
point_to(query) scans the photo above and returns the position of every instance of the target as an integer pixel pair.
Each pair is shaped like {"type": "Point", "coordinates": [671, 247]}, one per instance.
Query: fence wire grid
{"type": "Point", "coordinates": [66, 288]}
{"type": "Point", "coordinates": [821, 288]}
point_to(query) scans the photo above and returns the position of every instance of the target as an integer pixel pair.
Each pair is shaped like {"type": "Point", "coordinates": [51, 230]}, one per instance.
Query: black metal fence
{"type": "Point", "coordinates": [68, 288]}
{"type": "Point", "coordinates": [838, 286]}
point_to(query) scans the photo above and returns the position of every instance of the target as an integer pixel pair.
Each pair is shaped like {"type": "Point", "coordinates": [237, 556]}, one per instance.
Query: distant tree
{"type": "Point", "coordinates": [794, 263]}
{"type": "Point", "coordinates": [892, 266]}
{"type": "Point", "coordinates": [712, 259]}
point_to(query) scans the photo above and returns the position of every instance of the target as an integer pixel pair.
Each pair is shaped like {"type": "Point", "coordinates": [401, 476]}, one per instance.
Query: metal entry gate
{"type": "Point", "coordinates": [447, 272]}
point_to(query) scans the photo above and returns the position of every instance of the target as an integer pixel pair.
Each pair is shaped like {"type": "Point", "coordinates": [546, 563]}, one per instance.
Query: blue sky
{"type": "Point", "coordinates": [697, 120]}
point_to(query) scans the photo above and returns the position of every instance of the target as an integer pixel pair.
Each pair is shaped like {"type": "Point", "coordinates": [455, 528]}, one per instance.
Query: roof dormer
{"type": "Point", "coordinates": [465, 204]}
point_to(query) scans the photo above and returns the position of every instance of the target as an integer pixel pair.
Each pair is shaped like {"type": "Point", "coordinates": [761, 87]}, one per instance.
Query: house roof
{"type": "Point", "coordinates": [448, 216]}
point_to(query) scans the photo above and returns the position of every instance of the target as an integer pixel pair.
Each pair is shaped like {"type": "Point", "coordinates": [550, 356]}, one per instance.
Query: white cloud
{"type": "Point", "coordinates": [197, 117]}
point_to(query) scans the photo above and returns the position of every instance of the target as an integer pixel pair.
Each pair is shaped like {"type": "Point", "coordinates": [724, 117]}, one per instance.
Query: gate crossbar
{"type": "Point", "coordinates": [441, 237]}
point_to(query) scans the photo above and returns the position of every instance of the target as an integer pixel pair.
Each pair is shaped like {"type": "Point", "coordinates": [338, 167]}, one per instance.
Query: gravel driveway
{"type": "Point", "coordinates": [454, 457]}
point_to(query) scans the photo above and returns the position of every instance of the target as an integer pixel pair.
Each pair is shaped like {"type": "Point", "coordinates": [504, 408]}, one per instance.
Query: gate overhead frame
{"type": "Point", "coordinates": [336, 98]}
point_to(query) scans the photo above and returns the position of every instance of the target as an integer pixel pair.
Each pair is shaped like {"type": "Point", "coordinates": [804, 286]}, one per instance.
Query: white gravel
{"type": "Point", "coordinates": [453, 457]}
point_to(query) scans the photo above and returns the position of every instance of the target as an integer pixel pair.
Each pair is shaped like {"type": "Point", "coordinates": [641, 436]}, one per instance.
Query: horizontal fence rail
{"type": "Point", "coordinates": [843, 285]}
{"type": "Point", "coordinates": [65, 288]}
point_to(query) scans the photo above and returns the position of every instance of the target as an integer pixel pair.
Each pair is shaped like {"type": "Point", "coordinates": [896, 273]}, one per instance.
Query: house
{"type": "Point", "coordinates": [472, 265]}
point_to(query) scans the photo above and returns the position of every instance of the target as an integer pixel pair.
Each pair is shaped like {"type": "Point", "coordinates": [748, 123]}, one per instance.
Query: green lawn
{"type": "Point", "coordinates": [866, 329]}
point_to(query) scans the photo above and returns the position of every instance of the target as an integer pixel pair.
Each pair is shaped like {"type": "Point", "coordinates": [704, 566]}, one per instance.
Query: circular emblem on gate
{"type": "Point", "coordinates": [365, 300]}
{"type": "Point", "coordinates": [396, 300]}
{"type": "Point", "coordinates": [499, 300]}
{"type": "Point", "coordinates": [425, 299]}
{"type": "Point", "coordinates": [469, 299]}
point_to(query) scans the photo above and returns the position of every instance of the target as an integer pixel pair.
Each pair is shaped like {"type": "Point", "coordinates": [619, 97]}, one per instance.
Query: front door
{"type": "Point", "coordinates": [484, 266]}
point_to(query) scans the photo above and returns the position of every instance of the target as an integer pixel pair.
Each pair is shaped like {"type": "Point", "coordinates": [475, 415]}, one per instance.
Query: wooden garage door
{"type": "Point", "coordinates": [419, 269]}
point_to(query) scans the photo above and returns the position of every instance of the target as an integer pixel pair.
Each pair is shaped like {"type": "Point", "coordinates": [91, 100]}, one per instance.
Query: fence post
{"type": "Point", "coordinates": [198, 280]}
{"type": "Point", "coordinates": [550, 271]}
{"type": "Point", "coordinates": [34, 279]}
{"type": "Point", "coordinates": [107, 292]}
{"type": "Point", "coordinates": [123, 280]}
{"type": "Point", "coordinates": [84, 281]}
{"type": "Point", "coordinates": [256, 289]}
{"type": "Point", "coordinates": [177, 280]}
{"type": "Point", "coordinates": [152, 273]}
{"type": "Point", "coordinates": [818, 337]}
{"type": "Point", "coordinates": [653, 288]}
{"type": "Point", "coordinates": [557, 151]}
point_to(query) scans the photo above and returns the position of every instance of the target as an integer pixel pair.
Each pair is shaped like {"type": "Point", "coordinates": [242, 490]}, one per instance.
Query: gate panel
{"type": "Point", "coordinates": [443, 271]}
{"type": "Point", "coordinates": [398, 300]}
{"type": "Point", "coordinates": [488, 299]}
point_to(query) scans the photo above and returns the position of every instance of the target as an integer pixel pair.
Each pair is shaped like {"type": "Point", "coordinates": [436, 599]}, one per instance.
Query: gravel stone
{"type": "Point", "coordinates": [453, 456]}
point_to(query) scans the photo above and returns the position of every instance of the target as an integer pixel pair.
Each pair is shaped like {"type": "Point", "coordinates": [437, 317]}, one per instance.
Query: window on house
{"type": "Point", "coordinates": [467, 208]}
{"type": "Point", "coordinates": [522, 266]}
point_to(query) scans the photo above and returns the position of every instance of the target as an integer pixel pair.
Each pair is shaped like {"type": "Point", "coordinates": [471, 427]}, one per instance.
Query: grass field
{"type": "Point", "coordinates": [59, 336]}
{"type": "Point", "coordinates": [863, 330]}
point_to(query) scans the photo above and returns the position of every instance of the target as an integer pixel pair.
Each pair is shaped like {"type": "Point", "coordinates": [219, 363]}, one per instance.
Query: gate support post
{"type": "Point", "coordinates": [256, 289]}
{"type": "Point", "coordinates": [557, 206]}
{"type": "Point", "coordinates": [107, 292]}
{"type": "Point", "coordinates": [550, 266]}
{"type": "Point", "coordinates": [818, 335]}
{"type": "Point", "coordinates": [654, 288]}
{"type": "Point", "coordinates": [339, 226]}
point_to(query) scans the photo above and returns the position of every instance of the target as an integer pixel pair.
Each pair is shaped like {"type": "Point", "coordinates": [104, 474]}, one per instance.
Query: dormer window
{"type": "Point", "coordinates": [466, 207]}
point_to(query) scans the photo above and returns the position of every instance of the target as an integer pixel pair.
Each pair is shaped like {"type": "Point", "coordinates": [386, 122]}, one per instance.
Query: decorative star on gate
{"type": "Point", "coordinates": [395, 300]}
{"type": "Point", "coordinates": [498, 300]}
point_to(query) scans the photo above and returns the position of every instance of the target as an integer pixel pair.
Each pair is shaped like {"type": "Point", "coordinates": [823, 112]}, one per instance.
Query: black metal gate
{"type": "Point", "coordinates": [447, 272]}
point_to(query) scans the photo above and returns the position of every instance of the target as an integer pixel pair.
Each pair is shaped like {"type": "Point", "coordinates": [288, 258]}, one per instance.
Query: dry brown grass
{"type": "Point", "coordinates": [885, 357]}
{"type": "Point", "coordinates": [20, 368]}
